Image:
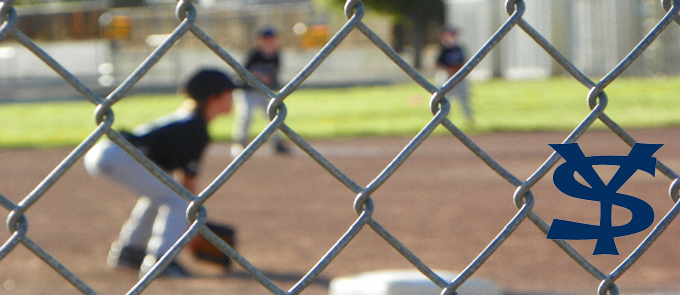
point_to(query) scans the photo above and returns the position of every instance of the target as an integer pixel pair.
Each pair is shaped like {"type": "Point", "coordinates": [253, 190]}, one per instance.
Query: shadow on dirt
{"type": "Point", "coordinates": [279, 277]}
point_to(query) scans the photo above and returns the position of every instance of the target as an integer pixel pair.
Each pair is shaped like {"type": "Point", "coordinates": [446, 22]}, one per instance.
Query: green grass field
{"type": "Point", "coordinates": [395, 110]}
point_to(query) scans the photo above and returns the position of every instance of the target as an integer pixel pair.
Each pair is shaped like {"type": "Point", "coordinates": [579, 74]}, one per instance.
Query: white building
{"type": "Point", "coordinates": [593, 35]}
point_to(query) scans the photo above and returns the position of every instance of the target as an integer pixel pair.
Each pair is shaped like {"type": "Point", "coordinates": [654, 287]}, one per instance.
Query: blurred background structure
{"type": "Point", "coordinates": [593, 35]}
{"type": "Point", "coordinates": [110, 38]}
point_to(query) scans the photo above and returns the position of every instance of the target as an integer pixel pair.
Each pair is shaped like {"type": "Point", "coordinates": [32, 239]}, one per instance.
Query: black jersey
{"type": "Point", "coordinates": [264, 65]}
{"type": "Point", "coordinates": [173, 142]}
{"type": "Point", "coordinates": [451, 56]}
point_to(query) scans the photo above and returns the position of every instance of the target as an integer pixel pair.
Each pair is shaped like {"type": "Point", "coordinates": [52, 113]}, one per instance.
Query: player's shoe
{"type": "Point", "coordinates": [281, 149]}
{"type": "Point", "coordinates": [236, 149]}
{"type": "Point", "coordinates": [122, 257]}
{"type": "Point", "coordinates": [173, 270]}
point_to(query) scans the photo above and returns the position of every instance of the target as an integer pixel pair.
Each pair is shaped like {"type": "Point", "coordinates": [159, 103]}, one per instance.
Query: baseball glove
{"type": "Point", "coordinates": [204, 250]}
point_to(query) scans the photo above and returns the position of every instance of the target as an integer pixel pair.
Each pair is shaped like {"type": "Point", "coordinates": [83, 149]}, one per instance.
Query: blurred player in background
{"type": "Point", "coordinates": [175, 143]}
{"type": "Point", "coordinates": [264, 63]}
{"type": "Point", "coordinates": [450, 60]}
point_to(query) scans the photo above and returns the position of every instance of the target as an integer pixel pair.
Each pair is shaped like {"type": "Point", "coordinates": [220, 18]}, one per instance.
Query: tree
{"type": "Point", "coordinates": [411, 20]}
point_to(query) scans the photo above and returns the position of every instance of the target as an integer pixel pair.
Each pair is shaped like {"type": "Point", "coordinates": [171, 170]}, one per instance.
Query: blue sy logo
{"type": "Point", "coordinates": [639, 158]}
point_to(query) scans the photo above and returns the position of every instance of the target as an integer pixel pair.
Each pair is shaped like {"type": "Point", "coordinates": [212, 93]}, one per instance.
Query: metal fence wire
{"type": "Point", "coordinates": [363, 205]}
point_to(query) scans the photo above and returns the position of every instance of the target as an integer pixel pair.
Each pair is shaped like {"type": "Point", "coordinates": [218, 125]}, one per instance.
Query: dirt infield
{"type": "Point", "coordinates": [444, 204]}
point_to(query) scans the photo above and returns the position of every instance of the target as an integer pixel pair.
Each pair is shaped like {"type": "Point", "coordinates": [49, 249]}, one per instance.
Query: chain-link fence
{"type": "Point", "coordinates": [363, 205]}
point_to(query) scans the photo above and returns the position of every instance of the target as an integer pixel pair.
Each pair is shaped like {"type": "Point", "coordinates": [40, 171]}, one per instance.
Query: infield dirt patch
{"type": "Point", "coordinates": [444, 204]}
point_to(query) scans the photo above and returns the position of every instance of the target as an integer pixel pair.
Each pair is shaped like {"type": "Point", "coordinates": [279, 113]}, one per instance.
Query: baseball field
{"type": "Point", "coordinates": [443, 203]}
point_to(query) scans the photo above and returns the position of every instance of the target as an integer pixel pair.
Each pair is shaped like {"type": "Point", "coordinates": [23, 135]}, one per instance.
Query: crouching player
{"type": "Point", "coordinates": [174, 143]}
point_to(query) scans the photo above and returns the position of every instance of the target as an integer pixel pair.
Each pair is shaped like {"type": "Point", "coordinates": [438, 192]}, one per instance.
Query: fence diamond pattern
{"type": "Point", "coordinates": [17, 222]}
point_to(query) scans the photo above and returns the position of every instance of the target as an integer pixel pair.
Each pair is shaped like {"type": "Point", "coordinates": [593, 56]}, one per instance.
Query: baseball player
{"type": "Point", "coordinates": [450, 60]}
{"type": "Point", "coordinates": [174, 143]}
{"type": "Point", "coordinates": [264, 63]}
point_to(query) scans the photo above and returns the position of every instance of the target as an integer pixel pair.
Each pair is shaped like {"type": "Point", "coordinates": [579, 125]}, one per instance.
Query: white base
{"type": "Point", "coordinates": [406, 282]}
